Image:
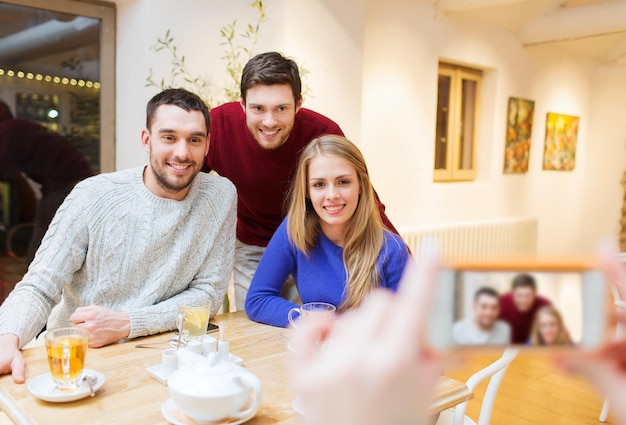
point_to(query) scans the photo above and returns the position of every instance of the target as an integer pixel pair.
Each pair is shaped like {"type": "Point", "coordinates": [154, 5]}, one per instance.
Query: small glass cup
{"type": "Point", "coordinates": [195, 317]}
{"type": "Point", "coordinates": [316, 309]}
{"type": "Point", "coordinates": [66, 349]}
{"type": "Point", "coordinates": [313, 311]}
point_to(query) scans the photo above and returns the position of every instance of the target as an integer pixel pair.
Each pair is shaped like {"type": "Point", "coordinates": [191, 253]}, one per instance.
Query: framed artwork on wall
{"type": "Point", "coordinates": [561, 138]}
{"type": "Point", "coordinates": [519, 128]}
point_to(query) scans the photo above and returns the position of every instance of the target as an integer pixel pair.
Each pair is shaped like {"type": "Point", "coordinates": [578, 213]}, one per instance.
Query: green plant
{"type": "Point", "coordinates": [196, 84]}
{"type": "Point", "coordinates": [236, 53]}
{"type": "Point", "coordinates": [238, 50]}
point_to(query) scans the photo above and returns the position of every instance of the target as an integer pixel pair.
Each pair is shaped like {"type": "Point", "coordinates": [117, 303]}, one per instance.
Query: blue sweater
{"type": "Point", "coordinates": [320, 277]}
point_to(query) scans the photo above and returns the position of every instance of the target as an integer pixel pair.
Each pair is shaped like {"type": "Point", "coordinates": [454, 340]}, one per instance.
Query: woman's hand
{"type": "Point", "coordinates": [374, 369]}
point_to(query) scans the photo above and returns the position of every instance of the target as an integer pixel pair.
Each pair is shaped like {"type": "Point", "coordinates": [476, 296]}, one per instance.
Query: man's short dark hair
{"type": "Point", "coordinates": [268, 69]}
{"type": "Point", "coordinates": [178, 97]}
{"type": "Point", "coordinates": [524, 281]}
{"type": "Point", "coordinates": [485, 290]}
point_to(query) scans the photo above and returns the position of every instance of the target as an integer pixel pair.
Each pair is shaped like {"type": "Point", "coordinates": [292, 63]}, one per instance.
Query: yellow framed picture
{"type": "Point", "coordinates": [561, 139]}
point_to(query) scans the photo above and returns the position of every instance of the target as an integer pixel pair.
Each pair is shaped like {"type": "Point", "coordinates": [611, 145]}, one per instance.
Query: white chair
{"type": "Point", "coordinates": [605, 411]}
{"type": "Point", "coordinates": [495, 371]}
{"type": "Point", "coordinates": [619, 333]}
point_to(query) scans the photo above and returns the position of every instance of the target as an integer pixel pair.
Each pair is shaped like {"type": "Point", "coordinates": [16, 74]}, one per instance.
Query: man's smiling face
{"type": "Point", "coordinates": [270, 113]}
{"type": "Point", "coordinates": [177, 143]}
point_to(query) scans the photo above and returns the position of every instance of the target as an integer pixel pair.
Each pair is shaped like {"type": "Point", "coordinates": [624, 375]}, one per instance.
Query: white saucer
{"type": "Point", "coordinates": [44, 388]}
{"type": "Point", "coordinates": [296, 404]}
{"type": "Point", "coordinates": [174, 415]}
{"type": "Point", "coordinates": [160, 375]}
{"type": "Point", "coordinates": [234, 359]}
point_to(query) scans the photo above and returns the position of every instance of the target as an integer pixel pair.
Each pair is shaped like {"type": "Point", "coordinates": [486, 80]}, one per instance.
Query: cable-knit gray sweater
{"type": "Point", "coordinates": [115, 244]}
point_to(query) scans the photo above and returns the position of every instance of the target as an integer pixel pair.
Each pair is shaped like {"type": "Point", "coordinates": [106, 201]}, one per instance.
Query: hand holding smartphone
{"type": "Point", "coordinates": [529, 305]}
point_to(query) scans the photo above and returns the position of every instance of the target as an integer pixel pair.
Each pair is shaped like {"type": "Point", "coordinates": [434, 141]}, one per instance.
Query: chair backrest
{"type": "Point", "coordinates": [495, 371]}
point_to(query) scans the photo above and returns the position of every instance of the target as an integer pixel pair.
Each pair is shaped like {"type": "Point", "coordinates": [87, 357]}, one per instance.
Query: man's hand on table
{"type": "Point", "coordinates": [105, 326]}
{"type": "Point", "coordinates": [11, 360]}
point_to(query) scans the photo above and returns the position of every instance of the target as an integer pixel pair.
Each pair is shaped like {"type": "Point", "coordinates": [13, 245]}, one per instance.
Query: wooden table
{"type": "Point", "coordinates": [131, 396]}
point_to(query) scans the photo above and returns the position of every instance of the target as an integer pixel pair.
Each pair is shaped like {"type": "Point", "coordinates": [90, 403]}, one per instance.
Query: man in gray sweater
{"type": "Point", "coordinates": [124, 247]}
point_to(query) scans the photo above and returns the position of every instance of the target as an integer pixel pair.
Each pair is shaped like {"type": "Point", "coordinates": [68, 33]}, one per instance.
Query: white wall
{"type": "Point", "coordinates": [560, 84]}
{"type": "Point", "coordinates": [132, 59]}
{"type": "Point", "coordinates": [327, 37]}
{"type": "Point", "coordinates": [195, 26]}
{"type": "Point", "coordinates": [374, 70]}
{"type": "Point", "coordinates": [403, 42]}
{"type": "Point", "coordinates": [406, 41]}
{"type": "Point", "coordinates": [605, 158]}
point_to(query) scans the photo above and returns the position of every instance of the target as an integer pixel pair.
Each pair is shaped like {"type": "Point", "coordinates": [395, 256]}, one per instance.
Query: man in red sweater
{"type": "Point", "coordinates": [519, 306]}
{"type": "Point", "coordinates": [256, 144]}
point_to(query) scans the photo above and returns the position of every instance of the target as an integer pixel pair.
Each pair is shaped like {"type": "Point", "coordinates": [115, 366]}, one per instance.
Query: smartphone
{"type": "Point", "coordinates": [211, 327]}
{"type": "Point", "coordinates": [528, 304]}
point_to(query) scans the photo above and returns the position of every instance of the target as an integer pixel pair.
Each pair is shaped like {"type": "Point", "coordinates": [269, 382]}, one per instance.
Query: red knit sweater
{"type": "Point", "coordinates": [521, 323]}
{"type": "Point", "coordinates": [262, 177]}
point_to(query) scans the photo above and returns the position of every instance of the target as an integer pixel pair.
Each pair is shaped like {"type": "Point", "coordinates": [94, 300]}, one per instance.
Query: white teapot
{"type": "Point", "coordinates": [209, 391]}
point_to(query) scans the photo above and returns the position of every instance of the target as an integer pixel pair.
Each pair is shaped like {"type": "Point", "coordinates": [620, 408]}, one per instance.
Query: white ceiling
{"type": "Point", "coordinates": [595, 29]}
{"type": "Point", "coordinates": [41, 41]}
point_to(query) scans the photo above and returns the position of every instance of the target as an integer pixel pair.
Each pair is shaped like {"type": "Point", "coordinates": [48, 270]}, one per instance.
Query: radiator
{"type": "Point", "coordinates": [497, 239]}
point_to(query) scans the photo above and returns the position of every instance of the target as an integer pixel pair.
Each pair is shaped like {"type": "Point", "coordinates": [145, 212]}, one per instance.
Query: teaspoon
{"type": "Point", "coordinates": [90, 380]}
{"type": "Point", "coordinates": [172, 342]}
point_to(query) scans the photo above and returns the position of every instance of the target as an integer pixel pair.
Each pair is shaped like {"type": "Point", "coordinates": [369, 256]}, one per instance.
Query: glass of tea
{"type": "Point", "coordinates": [194, 315]}
{"type": "Point", "coordinates": [66, 349]}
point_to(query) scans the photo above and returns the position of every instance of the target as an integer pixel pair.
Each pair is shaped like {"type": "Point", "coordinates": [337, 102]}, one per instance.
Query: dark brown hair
{"type": "Point", "coordinates": [485, 290]}
{"type": "Point", "coordinates": [524, 280]}
{"type": "Point", "coordinates": [268, 69]}
{"type": "Point", "coordinates": [178, 97]}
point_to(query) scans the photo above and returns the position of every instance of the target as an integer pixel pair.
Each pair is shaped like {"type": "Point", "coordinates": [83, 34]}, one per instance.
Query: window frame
{"type": "Point", "coordinates": [453, 171]}
{"type": "Point", "coordinates": [105, 11]}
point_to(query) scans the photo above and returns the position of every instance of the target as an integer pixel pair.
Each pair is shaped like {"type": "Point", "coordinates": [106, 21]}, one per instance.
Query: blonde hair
{"type": "Point", "coordinates": [562, 337]}
{"type": "Point", "coordinates": [364, 238]}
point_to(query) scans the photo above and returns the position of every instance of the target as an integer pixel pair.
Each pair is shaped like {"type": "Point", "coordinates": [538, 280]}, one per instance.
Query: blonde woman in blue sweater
{"type": "Point", "coordinates": [332, 241]}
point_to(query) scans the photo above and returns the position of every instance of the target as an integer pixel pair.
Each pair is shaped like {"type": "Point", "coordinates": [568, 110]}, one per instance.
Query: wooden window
{"type": "Point", "coordinates": [458, 100]}
{"type": "Point", "coordinates": [64, 40]}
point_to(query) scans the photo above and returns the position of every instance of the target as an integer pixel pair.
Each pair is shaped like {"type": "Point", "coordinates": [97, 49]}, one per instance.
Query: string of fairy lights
{"type": "Point", "coordinates": [53, 79]}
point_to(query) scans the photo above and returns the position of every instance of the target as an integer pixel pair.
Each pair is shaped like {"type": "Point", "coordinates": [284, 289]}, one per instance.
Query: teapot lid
{"type": "Point", "coordinates": [203, 379]}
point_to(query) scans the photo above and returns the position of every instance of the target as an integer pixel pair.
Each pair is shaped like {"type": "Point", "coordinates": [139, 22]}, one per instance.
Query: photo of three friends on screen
{"type": "Point", "coordinates": [487, 315]}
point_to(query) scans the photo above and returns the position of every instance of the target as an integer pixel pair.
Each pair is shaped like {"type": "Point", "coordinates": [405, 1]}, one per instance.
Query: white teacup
{"type": "Point", "coordinates": [209, 345]}
{"type": "Point", "coordinates": [169, 361]}
{"type": "Point", "coordinates": [195, 346]}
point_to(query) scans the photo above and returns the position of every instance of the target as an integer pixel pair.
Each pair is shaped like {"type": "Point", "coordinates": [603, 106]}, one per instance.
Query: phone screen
{"type": "Point", "coordinates": [212, 327]}
{"type": "Point", "coordinates": [520, 307]}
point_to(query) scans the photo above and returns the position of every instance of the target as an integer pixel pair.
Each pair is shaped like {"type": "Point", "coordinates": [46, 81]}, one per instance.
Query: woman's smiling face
{"type": "Point", "coordinates": [334, 191]}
